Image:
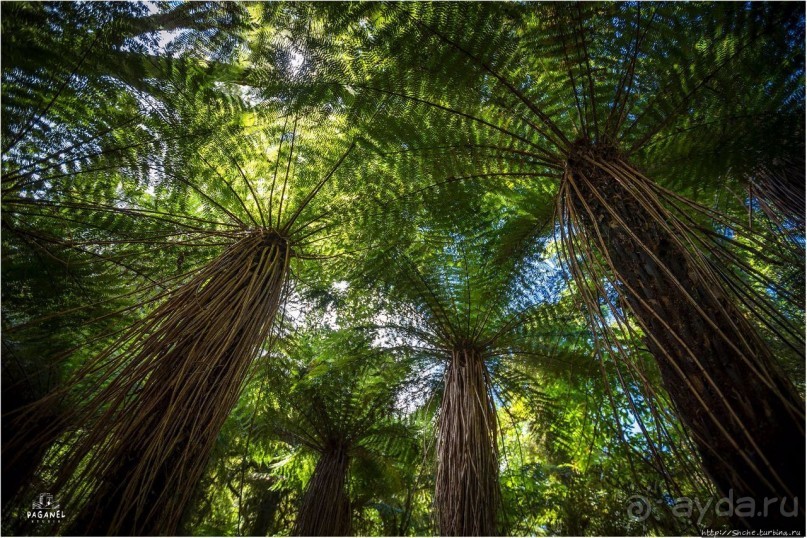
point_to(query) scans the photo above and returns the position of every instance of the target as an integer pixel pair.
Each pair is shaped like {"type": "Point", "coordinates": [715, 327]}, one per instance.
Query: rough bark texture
{"type": "Point", "coordinates": [467, 483]}
{"type": "Point", "coordinates": [110, 511]}
{"type": "Point", "coordinates": [747, 408]}
{"type": "Point", "coordinates": [208, 340]}
{"type": "Point", "coordinates": [325, 509]}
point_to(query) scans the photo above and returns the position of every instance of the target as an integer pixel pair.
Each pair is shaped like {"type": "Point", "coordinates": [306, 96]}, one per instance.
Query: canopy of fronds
{"type": "Point", "coordinates": [246, 246]}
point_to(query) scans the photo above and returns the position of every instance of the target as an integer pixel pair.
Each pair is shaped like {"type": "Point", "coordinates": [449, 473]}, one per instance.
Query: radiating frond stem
{"type": "Point", "coordinates": [557, 138]}
{"type": "Point", "coordinates": [587, 60]}
{"type": "Point", "coordinates": [134, 211]}
{"type": "Point", "coordinates": [251, 190]}
{"type": "Point", "coordinates": [39, 114]}
{"type": "Point", "coordinates": [277, 165]}
{"type": "Point", "coordinates": [23, 170]}
{"type": "Point", "coordinates": [286, 176]}
{"type": "Point", "coordinates": [684, 101]}
{"type": "Point", "coordinates": [538, 148]}
{"type": "Point", "coordinates": [310, 196]}
{"type": "Point", "coordinates": [230, 187]}
{"type": "Point", "coordinates": [227, 212]}
{"type": "Point", "coordinates": [621, 98]}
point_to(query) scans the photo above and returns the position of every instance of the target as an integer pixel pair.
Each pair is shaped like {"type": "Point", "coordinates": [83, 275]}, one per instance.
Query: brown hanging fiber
{"type": "Point", "coordinates": [712, 361]}
{"type": "Point", "coordinates": [325, 509]}
{"type": "Point", "coordinates": [467, 482]}
{"type": "Point", "coordinates": [162, 392]}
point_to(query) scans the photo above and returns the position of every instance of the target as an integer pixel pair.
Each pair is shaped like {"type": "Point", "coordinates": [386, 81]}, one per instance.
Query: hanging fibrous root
{"type": "Point", "coordinates": [161, 393]}
{"type": "Point", "coordinates": [779, 190]}
{"type": "Point", "coordinates": [670, 270]}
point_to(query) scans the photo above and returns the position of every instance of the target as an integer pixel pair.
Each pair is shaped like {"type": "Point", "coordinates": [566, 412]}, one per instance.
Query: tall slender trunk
{"type": "Point", "coordinates": [467, 483]}
{"type": "Point", "coordinates": [325, 509]}
{"type": "Point", "coordinates": [262, 508]}
{"type": "Point", "coordinates": [743, 414]}
{"type": "Point", "coordinates": [156, 441]}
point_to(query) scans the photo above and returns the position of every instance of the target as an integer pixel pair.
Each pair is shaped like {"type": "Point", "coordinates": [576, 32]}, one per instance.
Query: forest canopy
{"type": "Point", "coordinates": [402, 268]}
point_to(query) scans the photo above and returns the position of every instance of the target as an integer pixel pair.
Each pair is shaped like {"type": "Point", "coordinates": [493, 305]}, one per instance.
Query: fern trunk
{"type": "Point", "coordinates": [263, 507]}
{"type": "Point", "coordinates": [467, 482]}
{"type": "Point", "coordinates": [740, 410]}
{"type": "Point", "coordinates": [325, 509]}
{"type": "Point", "coordinates": [165, 410]}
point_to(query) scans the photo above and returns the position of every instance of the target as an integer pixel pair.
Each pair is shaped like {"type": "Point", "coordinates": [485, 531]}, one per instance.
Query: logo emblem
{"type": "Point", "coordinates": [45, 502]}
{"type": "Point", "coordinates": [45, 508]}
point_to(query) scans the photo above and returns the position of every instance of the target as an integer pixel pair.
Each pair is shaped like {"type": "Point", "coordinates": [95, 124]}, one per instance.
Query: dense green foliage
{"type": "Point", "coordinates": [401, 268]}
